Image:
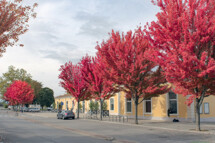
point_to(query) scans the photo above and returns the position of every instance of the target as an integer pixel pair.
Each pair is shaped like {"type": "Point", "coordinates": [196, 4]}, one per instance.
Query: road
{"type": "Point", "coordinates": [34, 129]}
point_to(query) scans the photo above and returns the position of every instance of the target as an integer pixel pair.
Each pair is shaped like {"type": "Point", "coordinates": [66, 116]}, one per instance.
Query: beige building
{"type": "Point", "coordinates": [156, 108]}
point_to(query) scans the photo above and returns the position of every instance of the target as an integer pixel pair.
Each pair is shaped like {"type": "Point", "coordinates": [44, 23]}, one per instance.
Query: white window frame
{"type": "Point", "coordinates": [206, 103]}
{"type": "Point", "coordinates": [126, 100]}
{"type": "Point", "coordinates": [173, 100]}
{"type": "Point", "coordinates": [151, 106]}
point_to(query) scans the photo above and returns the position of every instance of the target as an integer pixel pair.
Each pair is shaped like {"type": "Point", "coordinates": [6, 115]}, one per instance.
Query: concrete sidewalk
{"type": "Point", "coordinates": [207, 128]}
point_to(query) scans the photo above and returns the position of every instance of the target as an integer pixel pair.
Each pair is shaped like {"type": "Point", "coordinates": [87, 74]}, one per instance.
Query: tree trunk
{"type": "Point", "coordinates": [78, 109]}
{"type": "Point", "coordinates": [136, 109]}
{"type": "Point", "coordinates": [101, 110]}
{"type": "Point", "coordinates": [197, 115]}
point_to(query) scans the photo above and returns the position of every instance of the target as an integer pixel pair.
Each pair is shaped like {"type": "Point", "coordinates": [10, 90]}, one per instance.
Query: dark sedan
{"type": "Point", "coordinates": [65, 114]}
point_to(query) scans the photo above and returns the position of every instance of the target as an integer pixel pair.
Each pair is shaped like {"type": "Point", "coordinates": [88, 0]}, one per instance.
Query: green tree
{"type": "Point", "coordinates": [91, 105]}
{"type": "Point", "coordinates": [46, 97]}
{"type": "Point", "coordinates": [94, 105]}
{"type": "Point", "coordinates": [11, 75]}
{"type": "Point", "coordinates": [104, 105]}
{"type": "Point", "coordinates": [80, 106]}
{"type": "Point", "coordinates": [37, 86]}
{"type": "Point", "coordinates": [54, 105]}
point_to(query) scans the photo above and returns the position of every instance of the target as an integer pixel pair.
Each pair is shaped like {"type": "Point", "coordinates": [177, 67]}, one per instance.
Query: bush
{"type": "Point", "coordinates": [94, 105]}
{"type": "Point", "coordinates": [80, 106]}
{"type": "Point", "coordinates": [5, 105]}
{"type": "Point", "coordinates": [104, 106]}
{"type": "Point", "coordinates": [91, 105]}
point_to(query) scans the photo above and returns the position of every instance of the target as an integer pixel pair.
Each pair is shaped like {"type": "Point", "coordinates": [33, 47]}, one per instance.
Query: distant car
{"type": "Point", "coordinates": [49, 109]}
{"type": "Point", "coordinates": [33, 109]}
{"type": "Point", "coordinates": [24, 109]}
{"type": "Point", "coordinates": [65, 114]}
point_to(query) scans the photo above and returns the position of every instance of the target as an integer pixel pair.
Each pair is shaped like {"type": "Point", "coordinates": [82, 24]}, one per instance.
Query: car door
{"type": "Point", "coordinates": [61, 114]}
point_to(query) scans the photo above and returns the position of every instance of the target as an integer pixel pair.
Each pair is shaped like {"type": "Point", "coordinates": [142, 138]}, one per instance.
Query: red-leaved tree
{"type": "Point", "coordinates": [183, 43]}
{"type": "Point", "coordinates": [73, 82]}
{"type": "Point", "coordinates": [14, 19]}
{"type": "Point", "coordinates": [99, 88]}
{"type": "Point", "coordinates": [19, 92]}
{"type": "Point", "coordinates": [126, 64]}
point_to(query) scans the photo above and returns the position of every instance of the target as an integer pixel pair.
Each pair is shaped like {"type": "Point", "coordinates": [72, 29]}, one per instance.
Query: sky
{"type": "Point", "coordinates": [67, 30]}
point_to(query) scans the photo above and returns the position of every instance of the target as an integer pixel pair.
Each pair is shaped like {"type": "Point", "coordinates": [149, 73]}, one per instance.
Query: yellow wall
{"type": "Point", "coordinates": [64, 100]}
{"type": "Point", "coordinates": [182, 106]}
{"type": "Point", "coordinates": [159, 106]}
{"type": "Point", "coordinates": [115, 111]}
{"type": "Point", "coordinates": [209, 100]}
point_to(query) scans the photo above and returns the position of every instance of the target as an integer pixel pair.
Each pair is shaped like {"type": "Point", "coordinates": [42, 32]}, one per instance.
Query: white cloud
{"type": "Point", "coordinates": [69, 29]}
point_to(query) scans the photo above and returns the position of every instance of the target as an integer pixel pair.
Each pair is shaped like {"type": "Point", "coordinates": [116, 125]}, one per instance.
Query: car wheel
{"type": "Point", "coordinates": [73, 118]}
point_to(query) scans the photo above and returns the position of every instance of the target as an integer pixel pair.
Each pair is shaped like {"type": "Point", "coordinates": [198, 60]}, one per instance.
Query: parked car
{"type": "Point", "coordinates": [65, 114]}
{"type": "Point", "coordinates": [49, 109]}
{"type": "Point", "coordinates": [24, 109]}
{"type": "Point", "coordinates": [34, 110]}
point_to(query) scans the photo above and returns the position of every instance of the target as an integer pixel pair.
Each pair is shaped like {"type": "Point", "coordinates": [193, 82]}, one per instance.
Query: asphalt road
{"type": "Point", "coordinates": [34, 129]}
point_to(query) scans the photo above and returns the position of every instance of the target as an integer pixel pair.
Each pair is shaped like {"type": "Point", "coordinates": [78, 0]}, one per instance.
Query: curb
{"type": "Point", "coordinates": [163, 128]}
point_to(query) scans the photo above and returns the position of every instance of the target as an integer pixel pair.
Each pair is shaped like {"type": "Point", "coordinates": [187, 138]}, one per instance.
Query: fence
{"type": "Point", "coordinates": [95, 115]}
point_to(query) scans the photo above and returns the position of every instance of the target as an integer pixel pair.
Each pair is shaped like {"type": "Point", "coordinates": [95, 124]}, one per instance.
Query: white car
{"type": "Point", "coordinates": [33, 109]}
{"type": "Point", "coordinates": [49, 109]}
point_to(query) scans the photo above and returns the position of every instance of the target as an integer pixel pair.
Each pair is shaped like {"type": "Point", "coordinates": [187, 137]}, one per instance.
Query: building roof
{"type": "Point", "coordinates": [64, 96]}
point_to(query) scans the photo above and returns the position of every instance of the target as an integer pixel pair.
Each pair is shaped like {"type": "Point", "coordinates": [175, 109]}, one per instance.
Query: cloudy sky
{"type": "Point", "coordinates": [66, 30]}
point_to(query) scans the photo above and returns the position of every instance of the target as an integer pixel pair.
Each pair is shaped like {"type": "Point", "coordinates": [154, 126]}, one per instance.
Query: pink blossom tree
{"type": "Point", "coordinates": [72, 81]}
{"type": "Point", "coordinates": [182, 41]}
{"type": "Point", "coordinates": [126, 63]}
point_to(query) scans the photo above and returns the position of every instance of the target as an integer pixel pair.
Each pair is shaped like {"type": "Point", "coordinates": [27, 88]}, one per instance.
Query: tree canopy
{"type": "Point", "coordinates": [11, 75]}
{"type": "Point", "coordinates": [46, 97]}
{"type": "Point", "coordinates": [14, 18]}
{"type": "Point", "coordinates": [19, 92]}
{"type": "Point", "coordinates": [73, 82]}
{"type": "Point", "coordinates": [126, 63]}
{"type": "Point", "coordinates": [182, 41]}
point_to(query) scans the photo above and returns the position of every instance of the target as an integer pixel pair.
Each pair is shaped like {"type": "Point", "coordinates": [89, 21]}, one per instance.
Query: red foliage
{"type": "Point", "coordinates": [92, 71]}
{"type": "Point", "coordinates": [19, 92]}
{"type": "Point", "coordinates": [126, 64]}
{"type": "Point", "coordinates": [183, 43]}
{"type": "Point", "coordinates": [13, 20]}
{"type": "Point", "coordinates": [72, 81]}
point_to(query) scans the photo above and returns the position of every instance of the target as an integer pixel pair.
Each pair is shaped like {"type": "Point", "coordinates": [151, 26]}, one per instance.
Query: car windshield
{"type": "Point", "coordinates": [68, 111]}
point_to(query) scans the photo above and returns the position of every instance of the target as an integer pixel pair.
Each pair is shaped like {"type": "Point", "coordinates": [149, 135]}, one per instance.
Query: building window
{"type": "Point", "coordinates": [148, 106]}
{"type": "Point", "coordinates": [173, 103]}
{"type": "Point", "coordinates": [66, 105]}
{"type": "Point", "coordinates": [128, 105]}
{"type": "Point", "coordinates": [111, 103]}
{"type": "Point", "coordinates": [83, 106]}
{"type": "Point", "coordinates": [73, 104]}
{"type": "Point", "coordinates": [206, 108]}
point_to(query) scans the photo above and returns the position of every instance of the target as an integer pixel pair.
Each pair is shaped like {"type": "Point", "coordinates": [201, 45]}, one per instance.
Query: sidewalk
{"type": "Point", "coordinates": [207, 128]}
